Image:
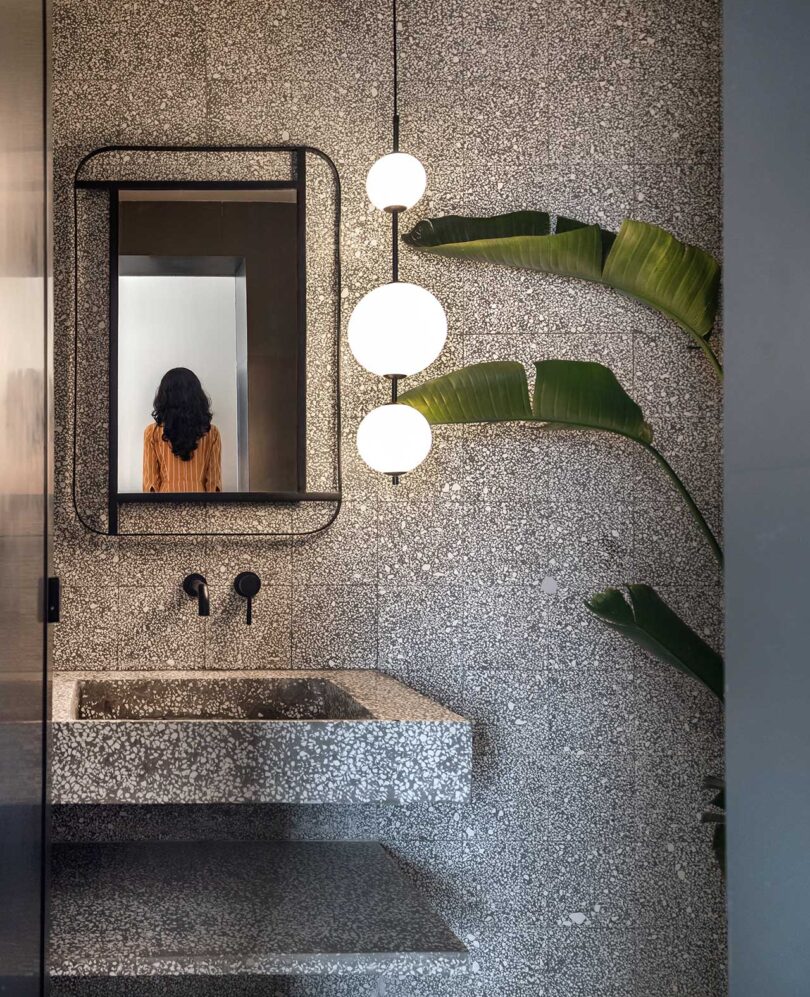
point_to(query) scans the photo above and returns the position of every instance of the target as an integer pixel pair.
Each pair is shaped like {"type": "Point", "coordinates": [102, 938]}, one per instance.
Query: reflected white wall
{"type": "Point", "coordinates": [166, 322]}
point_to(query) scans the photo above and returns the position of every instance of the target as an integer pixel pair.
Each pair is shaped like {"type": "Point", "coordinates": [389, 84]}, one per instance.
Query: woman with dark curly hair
{"type": "Point", "coordinates": [182, 451]}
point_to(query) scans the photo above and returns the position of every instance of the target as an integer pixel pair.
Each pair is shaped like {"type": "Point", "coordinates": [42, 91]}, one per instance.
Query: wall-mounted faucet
{"type": "Point", "coordinates": [196, 587]}
{"type": "Point", "coordinates": [247, 584]}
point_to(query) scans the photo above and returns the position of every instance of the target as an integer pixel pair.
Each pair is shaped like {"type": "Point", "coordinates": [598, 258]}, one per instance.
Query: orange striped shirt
{"type": "Point", "coordinates": [163, 471]}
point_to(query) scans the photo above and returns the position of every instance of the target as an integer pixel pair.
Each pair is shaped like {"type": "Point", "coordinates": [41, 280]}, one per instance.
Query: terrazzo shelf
{"type": "Point", "coordinates": [205, 908]}
{"type": "Point", "coordinates": [253, 737]}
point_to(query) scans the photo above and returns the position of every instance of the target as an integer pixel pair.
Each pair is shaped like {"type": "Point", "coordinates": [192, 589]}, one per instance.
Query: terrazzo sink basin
{"type": "Point", "coordinates": [354, 736]}
{"type": "Point", "coordinates": [216, 699]}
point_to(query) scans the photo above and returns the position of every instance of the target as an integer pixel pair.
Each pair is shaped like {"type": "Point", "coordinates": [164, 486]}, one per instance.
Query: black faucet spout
{"type": "Point", "coordinates": [196, 587]}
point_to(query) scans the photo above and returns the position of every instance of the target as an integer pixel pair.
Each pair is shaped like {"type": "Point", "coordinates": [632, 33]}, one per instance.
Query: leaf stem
{"type": "Point", "coordinates": [711, 356]}
{"type": "Point", "coordinates": [697, 515]}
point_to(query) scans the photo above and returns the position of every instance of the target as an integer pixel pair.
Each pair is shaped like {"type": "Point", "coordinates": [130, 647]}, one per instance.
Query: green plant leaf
{"type": "Point", "coordinates": [680, 280]}
{"type": "Point", "coordinates": [572, 393]}
{"type": "Point", "coordinates": [483, 392]}
{"type": "Point", "coordinates": [644, 617]}
{"type": "Point", "coordinates": [587, 395]}
{"type": "Point", "coordinates": [642, 260]}
{"type": "Point", "coordinates": [519, 239]}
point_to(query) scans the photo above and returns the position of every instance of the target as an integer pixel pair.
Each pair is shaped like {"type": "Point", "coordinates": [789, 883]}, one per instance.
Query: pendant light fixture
{"type": "Point", "coordinates": [398, 328]}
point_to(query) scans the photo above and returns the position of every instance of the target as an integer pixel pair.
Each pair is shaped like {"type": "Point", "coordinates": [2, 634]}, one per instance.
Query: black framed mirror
{"type": "Point", "coordinates": [222, 339]}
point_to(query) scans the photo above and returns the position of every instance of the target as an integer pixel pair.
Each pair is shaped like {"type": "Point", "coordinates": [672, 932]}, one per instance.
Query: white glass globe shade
{"type": "Point", "coordinates": [394, 439]}
{"type": "Point", "coordinates": [396, 182]}
{"type": "Point", "coordinates": [397, 329]}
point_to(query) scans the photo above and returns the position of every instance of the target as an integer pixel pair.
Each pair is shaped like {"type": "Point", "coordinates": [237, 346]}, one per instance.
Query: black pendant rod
{"type": "Point", "coordinates": [395, 137]}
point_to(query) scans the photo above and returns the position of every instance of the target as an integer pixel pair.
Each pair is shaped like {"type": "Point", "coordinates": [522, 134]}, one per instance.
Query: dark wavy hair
{"type": "Point", "coordinates": [183, 409]}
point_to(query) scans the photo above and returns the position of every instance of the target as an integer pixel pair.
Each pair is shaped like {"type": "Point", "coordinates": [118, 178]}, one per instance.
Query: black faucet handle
{"type": "Point", "coordinates": [247, 584]}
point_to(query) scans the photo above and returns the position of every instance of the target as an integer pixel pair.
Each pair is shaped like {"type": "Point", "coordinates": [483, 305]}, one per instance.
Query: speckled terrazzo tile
{"type": "Point", "coordinates": [259, 520]}
{"type": "Point", "coordinates": [670, 792]}
{"type": "Point", "coordinates": [331, 46]}
{"type": "Point", "coordinates": [598, 963]}
{"type": "Point", "coordinates": [495, 30]}
{"type": "Point", "coordinates": [676, 710]}
{"type": "Point", "coordinates": [420, 541]}
{"type": "Point", "coordinates": [680, 879]}
{"type": "Point", "coordinates": [441, 680]}
{"type": "Point", "coordinates": [505, 541]}
{"type": "Point", "coordinates": [509, 710]}
{"type": "Point", "coordinates": [263, 644]}
{"type": "Point", "coordinates": [158, 627]}
{"type": "Point", "coordinates": [693, 446]}
{"type": "Point", "coordinates": [591, 887]}
{"type": "Point", "coordinates": [506, 875]}
{"type": "Point", "coordinates": [588, 121]}
{"type": "Point", "coordinates": [87, 634]}
{"type": "Point", "coordinates": [588, 547]}
{"type": "Point", "coordinates": [418, 624]}
{"type": "Point", "coordinates": [436, 871]}
{"type": "Point", "coordinates": [669, 963]}
{"type": "Point", "coordinates": [226, 557]}
{"type": "Point", "coordinates": [334, 626]}
{"type": "Point", "coordinates": [505, 626]}
{"type": "Point", "coordinates": [593, 39]}
{"type": "Point", "coordinates": [680, 122]}
{"type": "Point", "coordinates": [673, 379]}
{"type": "Point", "coordinates": [510, 793]}
{"type": "Point", "coordinates": [386, 822]}
{"type": "Point", "coordinates": [234, 114]}
{"type": "Point", "coordinates": [344, 554]}
{"type": "Point", "coordinates": [589, 469]}
{"type": "Point", "coordinates": [591, 797]}
{"type": "Point", "coordinates": [140, 517]}
{"type": "Point", "coordinates": [683, 39]}
{"type": "Point", "coordinates": [504, 461]}
{"type": "Point", "coordinates": [508, 124]}
{"type": "Point", "coordinates": [683, 198]}
{"type": "Point", "coordinates": [174, 903]}
{"type": "Point", "coordinates": [508, 947]}
{"type": "Point", "coordinates": [435, 124]}
{"type": "Point", "coordinates": [247, 39]}
{"type": "Point", "coordinates": [592, 711]}
{"type": "Point", "coordinates": [159, 561]}
{"type": "Point", "coordinates": [432, 40]}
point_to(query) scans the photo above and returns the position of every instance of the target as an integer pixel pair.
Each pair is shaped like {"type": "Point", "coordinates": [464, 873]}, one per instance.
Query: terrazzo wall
{"type": "Point", "coordinates": [579, 868]}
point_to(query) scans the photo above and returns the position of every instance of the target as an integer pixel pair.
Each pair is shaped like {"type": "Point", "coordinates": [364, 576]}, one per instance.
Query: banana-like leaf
{"type": "Point", "coordinates": [570, 393]}
{"type": "Point", "coordinates": [642, 261]}
{"type": "Point", "coordinates": [482, 392]}
{"type": "Point", "coordinates": [644, 617]}
{"type": "Point", "coordinates": [585, 394]}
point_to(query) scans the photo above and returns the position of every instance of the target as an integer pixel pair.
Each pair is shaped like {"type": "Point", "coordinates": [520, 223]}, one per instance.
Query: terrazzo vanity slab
{"type": "Point", "coordinates": [208, 909]}
{"type": "Point", "coordinates": [260, 737]}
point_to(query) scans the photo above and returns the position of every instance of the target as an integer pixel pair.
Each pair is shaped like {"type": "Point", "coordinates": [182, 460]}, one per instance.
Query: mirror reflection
{"type": "Point", "coordinates": [209, 340]}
